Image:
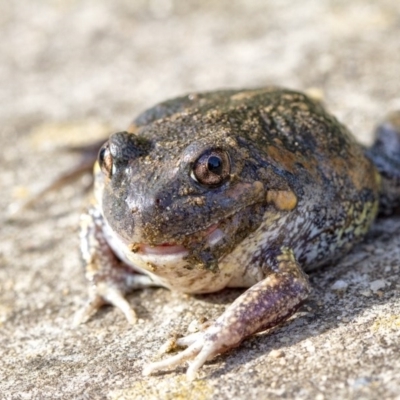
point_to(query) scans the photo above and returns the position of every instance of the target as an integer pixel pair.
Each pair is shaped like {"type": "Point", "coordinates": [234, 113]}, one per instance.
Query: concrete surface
{"type": "Point", "coordinates": [72, 71]}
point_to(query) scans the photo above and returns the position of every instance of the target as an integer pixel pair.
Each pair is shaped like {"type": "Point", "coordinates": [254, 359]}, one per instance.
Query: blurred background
{"type": "Point", "coordinates": [72, 71]}
{"type": "Point", "coordinates": [64, 60]}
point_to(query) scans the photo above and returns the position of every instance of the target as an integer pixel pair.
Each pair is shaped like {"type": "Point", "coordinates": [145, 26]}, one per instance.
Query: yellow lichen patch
{"type": "Point", "coordinates": [386, 322]}
{"type": "Point", "coordinates": [63, 134]}
{"type": "Point", "coordinates": [284, 200]}
{"type": "Point", "coordinates": [173, 388]}
{"type": "Point", "coordinates": [371, 212]}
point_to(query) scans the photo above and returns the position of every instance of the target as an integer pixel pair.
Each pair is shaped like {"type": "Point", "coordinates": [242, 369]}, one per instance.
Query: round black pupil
{"type": "Point", "coordinates": [214, 165]}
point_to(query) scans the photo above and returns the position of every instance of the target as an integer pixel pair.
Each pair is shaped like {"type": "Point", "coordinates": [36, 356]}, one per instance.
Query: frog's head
{"type": "Point", "coordinates": [179, 190]}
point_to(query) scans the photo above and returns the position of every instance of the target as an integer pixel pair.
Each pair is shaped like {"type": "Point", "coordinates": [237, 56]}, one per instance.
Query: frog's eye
{"type": "Point", "coordinates": [212, 168]}
{"type": "Point", "coordinates": [106, 160]}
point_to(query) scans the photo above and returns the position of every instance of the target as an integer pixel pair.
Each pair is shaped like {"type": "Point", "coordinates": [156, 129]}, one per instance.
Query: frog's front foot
{"type": "Point", "coordinates": [201, 346]}
{"type": "Point", "coordinates": [100, 295]}
{"type": "Point", "coordinates": [109, 278]}
{"type": "Point", "coordinates": [110, 288]}
{"type": "Point", "coordinates": [263, 306]}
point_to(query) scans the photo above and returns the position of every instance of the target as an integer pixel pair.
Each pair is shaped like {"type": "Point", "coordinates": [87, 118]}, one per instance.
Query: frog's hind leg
{"type": "Point", "coordinates": [263, 306]}
{"type": "Point", "coordinates": [385, 154]}
{"type": "Point", "coordinates": [109, 278]}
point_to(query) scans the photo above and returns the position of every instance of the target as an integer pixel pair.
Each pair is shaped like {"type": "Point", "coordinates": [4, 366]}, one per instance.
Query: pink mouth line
{"type": "Point", "coordinates": [170, 248]}
{"type": "Point", "coordinates": [162, 250]}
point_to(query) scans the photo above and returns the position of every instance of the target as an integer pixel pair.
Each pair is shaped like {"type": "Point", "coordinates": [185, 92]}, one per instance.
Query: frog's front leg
{"type": "Point", "coordinates": [109, 278]}
{"type": "Point", "coordinates": [263, 306]}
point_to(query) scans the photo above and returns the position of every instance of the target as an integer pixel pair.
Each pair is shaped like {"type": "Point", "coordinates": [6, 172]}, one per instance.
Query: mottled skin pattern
{"type": "Point", "coordinates": [226, 189]}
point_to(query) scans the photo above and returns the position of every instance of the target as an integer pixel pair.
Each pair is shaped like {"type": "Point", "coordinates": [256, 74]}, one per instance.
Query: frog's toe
{"type": "Point", "coordinates": [103, 296]}
{"type": "Point", "coordinates": [188, 340]}
{"type": "Point", "coordinates": [89, 309]}
{"type": "Point", "coordinates": [202, 346]}
{"type": "Point", "coordinates": [117, 299]}
{"type": "Point", "coordinates": [197, 352]}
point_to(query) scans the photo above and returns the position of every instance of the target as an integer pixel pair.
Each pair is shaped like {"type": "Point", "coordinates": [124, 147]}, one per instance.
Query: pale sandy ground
{"type": "Point", "coordinates": [71, 71]}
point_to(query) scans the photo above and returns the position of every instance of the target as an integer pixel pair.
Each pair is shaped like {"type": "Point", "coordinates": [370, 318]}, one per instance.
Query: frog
{"type": "Point", "coordinates": [249, 188]}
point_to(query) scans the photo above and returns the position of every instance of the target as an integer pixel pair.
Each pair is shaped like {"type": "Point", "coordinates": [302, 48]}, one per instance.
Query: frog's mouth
{"type": "Point", "coordinates": [211, 236]}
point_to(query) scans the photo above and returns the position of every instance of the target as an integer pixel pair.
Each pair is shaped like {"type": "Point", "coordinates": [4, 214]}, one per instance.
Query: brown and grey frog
{"type": "Point", "coordinates": [236, 188]}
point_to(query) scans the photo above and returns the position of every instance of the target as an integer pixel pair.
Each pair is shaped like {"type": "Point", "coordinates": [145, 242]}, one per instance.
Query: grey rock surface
{"type": "Point", "coordinates": [73, 71]}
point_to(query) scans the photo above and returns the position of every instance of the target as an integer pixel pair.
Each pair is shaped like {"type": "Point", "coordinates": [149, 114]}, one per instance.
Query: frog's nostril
{"type": "Point", "coordinates": [161, 201]}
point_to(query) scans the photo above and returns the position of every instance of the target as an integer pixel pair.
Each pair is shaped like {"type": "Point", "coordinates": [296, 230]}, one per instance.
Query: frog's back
{"type": "Point", "coordinates": [285, 129]}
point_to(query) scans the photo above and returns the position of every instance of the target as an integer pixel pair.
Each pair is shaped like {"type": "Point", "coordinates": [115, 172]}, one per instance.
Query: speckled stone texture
{"type": "Point", "coordinates": [73, 71]}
